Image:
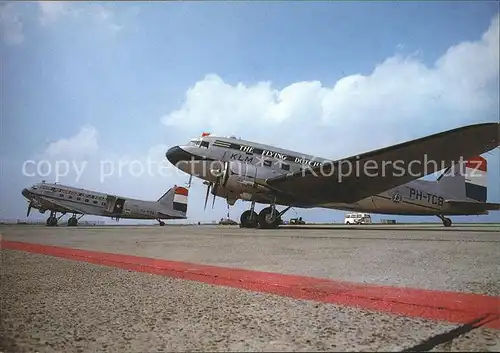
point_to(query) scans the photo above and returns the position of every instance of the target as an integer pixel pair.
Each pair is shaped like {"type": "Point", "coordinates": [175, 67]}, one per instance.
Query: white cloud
{"type": "Point", "coordinates": [79, 161]}
{"type": "Point", "coordinates": [51, 11]}
{"type": "Point", "coordinates": [401, 99]}
{"type": "Point", "coordinates": [104, 16]}
{"type": "Point", "coordinates": [83, 144]}
{"type": "Point", "coordinates": [11, 26]}
{"type": "Point", "coordinates": [91, 13]}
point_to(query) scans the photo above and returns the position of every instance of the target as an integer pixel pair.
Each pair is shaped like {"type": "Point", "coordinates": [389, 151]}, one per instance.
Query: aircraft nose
{"type": "Point", "coordinates": [25, 193]}
{"type": "Point", "coordinates": [176, 154]}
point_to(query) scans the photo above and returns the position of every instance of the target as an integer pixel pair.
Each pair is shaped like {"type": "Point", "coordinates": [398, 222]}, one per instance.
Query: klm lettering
{"type": "Point", "coordinates": [241, 158]}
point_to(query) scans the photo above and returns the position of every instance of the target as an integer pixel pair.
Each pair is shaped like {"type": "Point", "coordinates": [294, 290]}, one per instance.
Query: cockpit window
{"type": "Point", "coordinates": [195, 143]}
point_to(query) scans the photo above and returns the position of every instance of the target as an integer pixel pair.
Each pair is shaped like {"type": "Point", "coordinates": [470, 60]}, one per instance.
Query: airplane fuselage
{"type": "Point", "coordinates": [61, 198]}
{"type": "Point", "coordinates": [254, 160]}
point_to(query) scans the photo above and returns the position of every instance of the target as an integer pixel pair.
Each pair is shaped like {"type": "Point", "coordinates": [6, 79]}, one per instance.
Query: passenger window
{"type": "Point", "coordinates": [285, 167]}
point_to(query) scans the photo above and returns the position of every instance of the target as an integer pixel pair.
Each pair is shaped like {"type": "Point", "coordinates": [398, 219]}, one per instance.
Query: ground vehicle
{"type": "Point", "coordinates": [297, 221]}
{"type": "Point", "coordinates": [357, 218]}
{"type": "Point", "coordinates": [227, 221]}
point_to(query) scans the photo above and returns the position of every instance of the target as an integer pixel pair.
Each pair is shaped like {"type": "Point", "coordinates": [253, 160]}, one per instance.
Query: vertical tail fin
{"type": "Point", "coordinates": [466, 180]}
{"type": "Point", "coordinates": [176, 200]}
{"type": "Point", "coordinates": [475, 179]}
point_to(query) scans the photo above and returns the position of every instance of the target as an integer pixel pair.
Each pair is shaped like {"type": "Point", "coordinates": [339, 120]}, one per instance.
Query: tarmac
{"type": "Point", "coordinates": [222, 288]}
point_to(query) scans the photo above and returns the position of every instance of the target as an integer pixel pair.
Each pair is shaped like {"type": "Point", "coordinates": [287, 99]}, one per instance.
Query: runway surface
{"type": "Point", "coordinates": [223, 288]}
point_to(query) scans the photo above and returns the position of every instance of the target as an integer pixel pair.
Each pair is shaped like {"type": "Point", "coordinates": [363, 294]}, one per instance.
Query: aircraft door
{"type": "Point", "coordinates": [118, 209]}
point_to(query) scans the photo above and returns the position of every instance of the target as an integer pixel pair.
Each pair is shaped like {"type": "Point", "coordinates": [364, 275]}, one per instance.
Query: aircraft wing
{"type": "Point", "coordinates": [473, 206]}
{"type": "Point", "coordinates": [63, 206]}
{"type": "Point", "coordinates": [354, 178]}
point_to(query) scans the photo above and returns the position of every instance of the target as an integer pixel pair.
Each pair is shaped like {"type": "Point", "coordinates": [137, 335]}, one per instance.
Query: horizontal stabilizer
{"type": "Point", "coordinates": [473, 206]}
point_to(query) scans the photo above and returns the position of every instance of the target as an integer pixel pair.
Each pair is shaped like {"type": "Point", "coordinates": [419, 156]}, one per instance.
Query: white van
{"type": "Point", "coordinates": [357, 218]}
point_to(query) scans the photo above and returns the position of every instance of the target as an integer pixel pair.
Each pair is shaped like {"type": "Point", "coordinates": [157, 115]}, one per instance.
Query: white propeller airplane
{"type": "Point", "coordinates": [238, 169]}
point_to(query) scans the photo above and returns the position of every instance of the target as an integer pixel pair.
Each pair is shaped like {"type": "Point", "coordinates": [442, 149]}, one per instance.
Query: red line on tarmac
{"type": "Point", "coordinates": [453, 307]}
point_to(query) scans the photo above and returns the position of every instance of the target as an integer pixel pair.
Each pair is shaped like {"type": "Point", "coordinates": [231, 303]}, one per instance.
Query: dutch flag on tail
{"type": "Point", "coordinates": [176, 199]}
{"type": "Point", "coordinates": [475, 179]}
{"type": "Point", "coordinates": [180, 198]}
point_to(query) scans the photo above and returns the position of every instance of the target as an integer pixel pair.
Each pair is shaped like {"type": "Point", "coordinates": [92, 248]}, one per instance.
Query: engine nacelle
{"type": "Point", "coordinates": [38, 206]}
{"type": "Point", "coordinates": [237, 181]}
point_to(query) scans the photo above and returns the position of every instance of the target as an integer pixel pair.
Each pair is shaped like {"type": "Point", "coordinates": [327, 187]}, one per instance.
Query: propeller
{"type": "Point", "coordinates": [206, 196]}
{"type": "Point", "coordinates": [214, 191]}
{"type": "Point", "coordinates": [29, 209]}
{"type": "Point", "coordinates": [220, 180]}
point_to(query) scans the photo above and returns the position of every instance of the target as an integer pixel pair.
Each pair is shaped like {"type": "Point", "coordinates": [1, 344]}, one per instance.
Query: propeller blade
{"type": "Point", "coordinates": [190, 180]}
{"type": "Point", "coordinates": [214, 191]}
{"type": "Point", "coordinates": [206, 196]}
{"type": "Point", "coordinates": [29, 210]}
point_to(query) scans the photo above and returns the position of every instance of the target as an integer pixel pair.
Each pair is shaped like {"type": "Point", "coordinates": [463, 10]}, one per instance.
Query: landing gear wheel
{"type": "Point", "coordinates": [162, 223]}
{"type": "Point", "coordinates": [51, 221]}
{"type": "Point", "coordinates": [249, 220]}
{"type": "Point", "coordinates": [268, 220]}
{"type": "Point", "coordinates": [446, 221]}
{"type": "Point", "coordinates": [72, 222]}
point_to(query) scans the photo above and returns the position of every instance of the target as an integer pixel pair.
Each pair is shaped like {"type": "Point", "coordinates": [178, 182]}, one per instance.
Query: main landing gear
{"type": "Point", "coordinates": [268, 218]}
{"type": "Point", "coordinates": [53, 220]}
{"type": "Point", "coordinates": [161, 222]}
{"type": "Point", "coordinates": [446, 221]}
{"type": "Point", "coordinates": [73, 221]}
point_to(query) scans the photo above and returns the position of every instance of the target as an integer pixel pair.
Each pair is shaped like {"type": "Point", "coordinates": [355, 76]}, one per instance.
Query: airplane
{"type": "Point", "coordinates": [234, 169]}
{"type": "Point", "coordinates": [66, 199]}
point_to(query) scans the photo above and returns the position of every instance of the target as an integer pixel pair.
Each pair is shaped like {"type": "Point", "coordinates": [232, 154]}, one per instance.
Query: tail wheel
{"type": "Point", "coordinates": [447, 222]}
{"type": "Point", "coordinates": [267, 220]}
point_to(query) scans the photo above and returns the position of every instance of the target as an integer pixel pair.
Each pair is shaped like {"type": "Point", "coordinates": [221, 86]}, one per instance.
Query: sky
{"type": "Point", "coordinates": [92, 91]}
